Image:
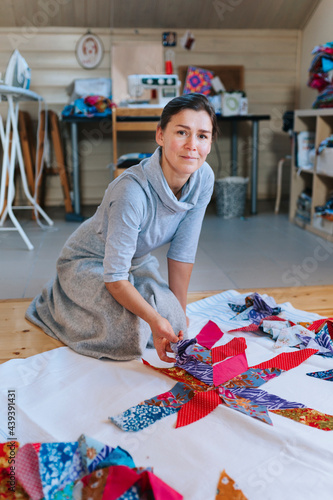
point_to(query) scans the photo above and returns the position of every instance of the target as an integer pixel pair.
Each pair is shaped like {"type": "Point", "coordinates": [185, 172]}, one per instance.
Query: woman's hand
{"type": "Point", "coordinates": [163, 334]}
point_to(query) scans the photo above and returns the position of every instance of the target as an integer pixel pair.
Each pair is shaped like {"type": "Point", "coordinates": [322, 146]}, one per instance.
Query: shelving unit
{"type": "Point", "coordinates": [130, 120]}
{"type": "Point", "coordinates": [321, 185]}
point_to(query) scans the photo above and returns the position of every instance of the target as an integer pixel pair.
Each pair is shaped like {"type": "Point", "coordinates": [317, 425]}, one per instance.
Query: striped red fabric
{"type": "Point", "coordinates": [198, 407]}
{"type": "Point", "coordinates": [287, 360]}
{"type": "Point", "coordinates": [232, 348]}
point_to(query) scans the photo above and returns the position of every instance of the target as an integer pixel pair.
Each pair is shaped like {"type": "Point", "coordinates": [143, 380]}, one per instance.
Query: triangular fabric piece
{"type": "Point", "coordinates": [209, 335]}
{"type": "Point", "coordinates": [227, 489]}
{"type": "Point", "coordinates": [230, 368]}
{"type": "Point", "coordinates": [161, 490]}
{"type": "Point", "coordinates": [287, 360]}
{"type": "Point", "coordinates": [201, 405]}
{"type": "Point", "coordinates": [308, 416]}
{"type": "Point", "coordinates": [119, 480]}
{"type": "Point", "coordinates": [319, 323]}
{"type": "Point", "coordinates": [232, 348]}
{"type": "Point", "coordinates": [323, 375]}
{"type": "Point", "coordinates": [27, 471]}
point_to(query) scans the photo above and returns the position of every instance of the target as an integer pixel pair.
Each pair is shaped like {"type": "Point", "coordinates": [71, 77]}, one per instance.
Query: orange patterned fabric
{"type": "Point", "coordinates": [227, 489]}
{"type": "Point", "coordinates": [308, 416]}
{"type": "Point", "coordinates": [182, 376]}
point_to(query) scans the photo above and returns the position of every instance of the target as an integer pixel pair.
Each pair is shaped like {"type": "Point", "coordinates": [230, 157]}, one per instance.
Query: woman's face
{"type": "Point", "coordinates": [186, 142]}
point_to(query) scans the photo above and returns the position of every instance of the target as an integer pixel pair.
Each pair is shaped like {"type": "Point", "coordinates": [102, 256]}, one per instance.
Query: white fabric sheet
{"type": "Point", "coordinates": [61, 394]}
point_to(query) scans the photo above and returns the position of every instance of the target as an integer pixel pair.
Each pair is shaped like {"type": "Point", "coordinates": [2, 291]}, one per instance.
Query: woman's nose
{"type": "Point", "coordinates": [191, 142]}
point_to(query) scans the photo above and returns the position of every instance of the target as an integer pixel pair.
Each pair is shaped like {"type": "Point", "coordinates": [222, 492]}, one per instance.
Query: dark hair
{"type": "Point", "coordinates": [197, 102]}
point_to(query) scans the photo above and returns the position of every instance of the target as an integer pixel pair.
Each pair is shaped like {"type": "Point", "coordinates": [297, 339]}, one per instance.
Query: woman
{"type": "Point", "coordinates": [108, 297]}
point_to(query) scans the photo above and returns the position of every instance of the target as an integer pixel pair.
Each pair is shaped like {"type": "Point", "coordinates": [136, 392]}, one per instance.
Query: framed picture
{"type": "Point", "coordinates": [89, 51]}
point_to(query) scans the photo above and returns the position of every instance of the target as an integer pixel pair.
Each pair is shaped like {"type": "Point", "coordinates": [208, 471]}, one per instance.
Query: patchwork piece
{"type": "Point", "coordinates": [221, 375]}
{"type": "Point", "coordinates": [27, 472]}
{"type": "Point", "coordinates": [200, 405]}
{"type": "Point", "coordinates": [149, 411]}
{"type": "Point", "coordinates": [287, 360]}
{"type": "Point", "coordinates": [324, 375]}
{"type": "Point", "coordinates": [228, 489]}
{"type": "Point", "coordinates": [8, 488]}
{"type": "Point", "coordinates": [254, 307]}
{"type": "Point", "coordinates": [209, 335]}
{"type": "Point", "coordinates": [234, 347]}
{"type": "Point", "coordinates": [198, 80]}
{"type": "Point", "coordinates": [308, 416]}
{"type": "Point", "coordinates": [244, 405]}
{"type": "Point", "coordinates": [58, 471]}
{"type": "Point", "coordinates": [261, 397]}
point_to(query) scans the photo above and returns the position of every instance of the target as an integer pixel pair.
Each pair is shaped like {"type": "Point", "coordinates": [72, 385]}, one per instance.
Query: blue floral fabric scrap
{"type": "Point", "coordinates": [324, 375]}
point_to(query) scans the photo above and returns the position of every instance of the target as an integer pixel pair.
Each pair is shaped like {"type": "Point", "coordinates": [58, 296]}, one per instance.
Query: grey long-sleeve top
{"type": "Point", "coordinates": [140, 213]}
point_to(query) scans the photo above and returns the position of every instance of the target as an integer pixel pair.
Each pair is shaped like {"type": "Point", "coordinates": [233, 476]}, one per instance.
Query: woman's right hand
{"type": "Point", "coordinates": [163, 334]}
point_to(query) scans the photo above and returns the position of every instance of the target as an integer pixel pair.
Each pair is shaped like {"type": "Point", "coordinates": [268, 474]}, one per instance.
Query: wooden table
{"type": "Point", "coordinates": [20, 338]}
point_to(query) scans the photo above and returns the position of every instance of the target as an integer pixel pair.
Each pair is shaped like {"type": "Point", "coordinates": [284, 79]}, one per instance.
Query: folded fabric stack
{"type": "Point", "coordinates": [320, 72]}
{"type": "Point", "coordinates": [81, 469]}
{"type": "Point", "coordinates": [89, 106]}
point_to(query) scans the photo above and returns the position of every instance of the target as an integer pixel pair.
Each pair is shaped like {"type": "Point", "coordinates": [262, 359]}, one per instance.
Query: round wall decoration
{"type": "Point", "coordinates": [89, 51]}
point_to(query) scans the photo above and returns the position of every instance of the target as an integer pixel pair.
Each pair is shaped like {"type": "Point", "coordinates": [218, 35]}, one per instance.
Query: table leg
{"type": "Point", "coordinates": [254, 167]}
{"type": "Point", "coordinates": [76, 172]}
{"type": "Point", "coordinates": [234, 150]}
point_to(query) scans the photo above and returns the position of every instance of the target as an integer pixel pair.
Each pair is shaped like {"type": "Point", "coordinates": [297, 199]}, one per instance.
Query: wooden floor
{"type": "Point", "coordinates": [20, 339]}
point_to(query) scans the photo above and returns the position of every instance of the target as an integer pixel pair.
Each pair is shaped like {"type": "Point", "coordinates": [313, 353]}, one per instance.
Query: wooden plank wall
{"type": "Point", "coordinates": [270, 58]}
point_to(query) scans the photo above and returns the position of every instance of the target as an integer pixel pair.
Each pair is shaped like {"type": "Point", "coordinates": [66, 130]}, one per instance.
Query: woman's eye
{"type": "Point", "coordinates": [202, 136]}
{"type": "Point", "coordinates": [181, 132]}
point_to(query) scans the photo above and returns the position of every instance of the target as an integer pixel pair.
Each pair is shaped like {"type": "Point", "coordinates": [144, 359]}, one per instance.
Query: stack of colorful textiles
{"type": "Point", "coordinates": [92, 105]}
{"type": "Point", "coordinates": [320, 75]}
{"type": "Point", "coordinates": [81, 469]}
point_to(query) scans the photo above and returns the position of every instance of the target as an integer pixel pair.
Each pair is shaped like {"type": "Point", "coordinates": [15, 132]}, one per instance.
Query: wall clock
{"type": "Point", "coordinates": [89, 51]}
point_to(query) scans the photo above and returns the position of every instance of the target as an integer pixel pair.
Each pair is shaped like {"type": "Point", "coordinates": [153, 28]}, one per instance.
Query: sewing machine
{"type": "Point", "coordinates": [166, 88]}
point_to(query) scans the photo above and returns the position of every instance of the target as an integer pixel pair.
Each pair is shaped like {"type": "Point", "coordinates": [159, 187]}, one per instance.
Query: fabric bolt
{"type": "Point", "coordinates": [198, 407]}
{"type": "Point", "coordinates": [232, 348]}
{"type": "Point", "coordinates": [27, 471]}
{"type": "Point", "coordinates": [324, 375]}
{"type": "Point", "coordinates": [228, 489]}
{"type": "Point", "coordinates": [261, 397]}
{"type": "Point", "coordinates": [308, 416]}
{"type": "Point", "coordinates": [287, 360]}
{"type": "Point", "coordinates": [181, 375]}
{"type": "Point", "coordinates": [253, 377]}
{"type": "Point", "coordinates": [209, 335]}
{"type": "Point", "coordinates": [245, 406]}
{"type": "Point", "coordinates": [230, 368]}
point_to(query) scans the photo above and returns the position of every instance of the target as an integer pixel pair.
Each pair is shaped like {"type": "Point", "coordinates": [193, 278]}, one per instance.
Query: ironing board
{"type": "Point", "coordinates": [14, 95]}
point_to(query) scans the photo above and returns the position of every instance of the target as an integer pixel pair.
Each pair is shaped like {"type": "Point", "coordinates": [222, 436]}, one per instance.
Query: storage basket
{"type": "Point", "coordinates": [231, 196]}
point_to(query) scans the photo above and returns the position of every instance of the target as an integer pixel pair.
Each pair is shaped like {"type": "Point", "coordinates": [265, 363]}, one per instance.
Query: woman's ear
{"type": "Point", "coordinates": [159, 136]}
